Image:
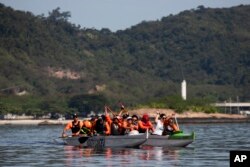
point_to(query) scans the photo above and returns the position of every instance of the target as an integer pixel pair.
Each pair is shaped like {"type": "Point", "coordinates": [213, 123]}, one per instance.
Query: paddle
{"type": "Point", "coordinates": [83, 139]}
{"type": "Point", "coordinates": [176, 122]}
{"type": "Point", "coordinates": [108, 108]}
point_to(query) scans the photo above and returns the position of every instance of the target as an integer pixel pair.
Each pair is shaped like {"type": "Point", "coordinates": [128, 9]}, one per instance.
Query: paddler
{"type": "Point", "coordinates": [144, 124]}
{"type": "Point", "coordinates": [75, 126]}
{"type": "Point", "coordinates": [115, 123]}
{"type": "Point", "coordinates": [169, 125]}
{"type": "Point", "coordinates": [102, 127]}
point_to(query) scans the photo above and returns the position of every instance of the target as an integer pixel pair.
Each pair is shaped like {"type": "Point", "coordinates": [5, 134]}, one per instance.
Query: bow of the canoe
{"type": "Point", "coordinates": [75, 140]}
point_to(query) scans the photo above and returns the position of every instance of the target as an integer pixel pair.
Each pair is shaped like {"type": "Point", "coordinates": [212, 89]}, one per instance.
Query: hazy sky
{"type": "Point", "coordinates": [116, 14]}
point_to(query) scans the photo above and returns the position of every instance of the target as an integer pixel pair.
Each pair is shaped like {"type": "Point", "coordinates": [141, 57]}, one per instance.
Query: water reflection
{"type": "Point", "coordinates": [120, 156]}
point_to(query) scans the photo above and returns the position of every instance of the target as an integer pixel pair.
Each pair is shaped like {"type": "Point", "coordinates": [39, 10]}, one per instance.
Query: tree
{"type": "Point", "coordinates": [87, 103]}
{"type": "Point", "coordinates": [56, 15]}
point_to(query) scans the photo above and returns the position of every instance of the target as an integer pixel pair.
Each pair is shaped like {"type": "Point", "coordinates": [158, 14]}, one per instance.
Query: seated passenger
{"type": "Point", "coordinates": [93, 120]}
{"type": "Point", "coordinates": [116, 126]}
{"type": "Point", "coordinates": [144, 124]}
{"type": "Point", "coordinates": [169, 126]}
{"type": "Point", "coordinates": [75, 126]}
{"type": "Point", "coordinates": [124, 123]}
{"type": "Point", "coordinates": [129, 127]}
{"type": "Point", "coordinates": [102, 127]}
{"type": "Point", "coordinates": [135, 120]}
{"type": "Point", "coordinates": [159, 120]}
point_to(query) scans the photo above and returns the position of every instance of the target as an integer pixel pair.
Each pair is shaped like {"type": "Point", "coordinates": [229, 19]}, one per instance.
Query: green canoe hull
{"type": "Point", "coordinates": [178, 139]}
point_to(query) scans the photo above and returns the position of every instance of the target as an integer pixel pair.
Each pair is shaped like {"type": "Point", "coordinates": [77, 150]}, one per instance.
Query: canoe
{"type": "Point", "coordinates": [107, 141]}
{"type": "Point", "coordinates": [178, 139]}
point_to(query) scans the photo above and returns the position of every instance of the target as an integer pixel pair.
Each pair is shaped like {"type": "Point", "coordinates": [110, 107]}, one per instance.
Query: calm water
{"type": "Point", "coordinates": [36, 146]}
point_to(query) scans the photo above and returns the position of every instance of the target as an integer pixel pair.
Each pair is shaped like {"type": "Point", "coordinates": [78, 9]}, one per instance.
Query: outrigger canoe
{"type": "Point", "coordinates": [107, 141]}
{"type": "Point", "coordinates": [178, 139]}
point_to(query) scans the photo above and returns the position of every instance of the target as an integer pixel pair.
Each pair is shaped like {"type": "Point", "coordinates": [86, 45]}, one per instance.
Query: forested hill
{"type": "Point", "coordinates": [49, 56]}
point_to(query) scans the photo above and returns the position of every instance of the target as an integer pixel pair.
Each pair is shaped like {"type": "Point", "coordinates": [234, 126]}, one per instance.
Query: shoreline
{"type": "Point", "coordinates": [196, 120]}
{"type": "Point", "coordinates": [34, 122]}
{"type": "Point", "coordinates": [180, 121]}
{"type": "Point", "coordinates": [187, 117]}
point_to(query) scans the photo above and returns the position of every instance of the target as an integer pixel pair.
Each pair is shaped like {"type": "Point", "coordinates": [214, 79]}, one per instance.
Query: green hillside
{"type": "Point", "coordinates": [53, 60]}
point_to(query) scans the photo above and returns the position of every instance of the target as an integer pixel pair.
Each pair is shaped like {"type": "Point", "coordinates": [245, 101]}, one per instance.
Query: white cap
{"type": "Point", "coordinates": [129, 118]}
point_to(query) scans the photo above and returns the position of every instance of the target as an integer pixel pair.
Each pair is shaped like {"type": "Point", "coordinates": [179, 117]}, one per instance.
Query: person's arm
{"type": "Point", "coordinates": [151, 127]}
{"type": "Point", "coordinates": [106, 110]}
{"type": "Point", "coordinates": [67, 127]}
{"type": "Point", "coordinates": [120, 113]}
{"type": "Point", "coordinates": [134, 127]}
{"type": "Point", "coordinates": [93, 127]}
{"type": "Point", "coordinates": [108, 129]}
{"type": "Point", "coordinates": [141, 126]}
{"type": "Point", "coordinates": [108, 119]}
{"type": "Point", "coordinates": [157, 117]}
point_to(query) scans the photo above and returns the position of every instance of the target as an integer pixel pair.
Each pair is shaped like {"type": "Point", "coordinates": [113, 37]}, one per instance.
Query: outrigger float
{"type": "Point", "coordinates": [177, 139]}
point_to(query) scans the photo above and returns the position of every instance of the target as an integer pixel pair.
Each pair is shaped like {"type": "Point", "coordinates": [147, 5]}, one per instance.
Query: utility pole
{"type": "Point", "coordinates": [230, 107]}
{"type": "Point", "coordinates": [238, 108]}
{"type": "Point", "coordinates": [184, 90]}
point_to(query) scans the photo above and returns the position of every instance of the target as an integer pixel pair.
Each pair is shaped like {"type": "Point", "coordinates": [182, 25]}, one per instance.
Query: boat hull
{"type": "Point", "coordinates": [176, 140]}
{"type": "Point", "coordinates": [107, 141]}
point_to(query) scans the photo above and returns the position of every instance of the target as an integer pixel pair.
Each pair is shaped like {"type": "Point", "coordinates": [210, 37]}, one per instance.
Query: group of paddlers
{"type": "Point", "coordinates": [121, 124]}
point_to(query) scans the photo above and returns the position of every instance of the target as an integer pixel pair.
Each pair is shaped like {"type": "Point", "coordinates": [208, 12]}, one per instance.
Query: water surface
{"type": "Point", "coordinates": [40, 146]}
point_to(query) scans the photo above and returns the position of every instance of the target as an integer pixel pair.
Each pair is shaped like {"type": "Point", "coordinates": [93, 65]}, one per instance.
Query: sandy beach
{"type": "Point", "coordinates": [189, 115]}
{"type": "Point", "coordinates": [33, 122]}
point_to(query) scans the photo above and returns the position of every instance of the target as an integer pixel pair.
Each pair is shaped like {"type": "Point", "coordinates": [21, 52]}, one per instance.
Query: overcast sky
{"type": "Point", "coordinates": [116, 14]}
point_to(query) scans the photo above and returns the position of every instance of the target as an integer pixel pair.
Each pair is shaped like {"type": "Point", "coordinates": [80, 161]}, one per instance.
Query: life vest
{"type": "Point", "coordinates": [75, 128]}
{"type": "Point", "coordinates": [115, 129]}
{"type": "Point", "coordinates": [86, 127]}
{"type": "Point", "coordinates": [169, 127]}
{"type": "Point", "coordinates": [143, 126]}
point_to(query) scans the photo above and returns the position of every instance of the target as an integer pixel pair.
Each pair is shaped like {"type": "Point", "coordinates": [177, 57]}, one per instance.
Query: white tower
{"type": "Point", "coordinates": [184, 90]}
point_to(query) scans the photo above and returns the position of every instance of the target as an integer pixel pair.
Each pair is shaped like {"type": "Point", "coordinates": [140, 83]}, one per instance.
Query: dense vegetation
{"type": "Point", "coordinates": [144, 64]}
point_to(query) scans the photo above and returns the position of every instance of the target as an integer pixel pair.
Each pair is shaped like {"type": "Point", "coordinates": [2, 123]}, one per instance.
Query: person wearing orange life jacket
{"type": "Point", "coordinates": [124, 123]}
{"type": "Point", "coordinates": [86, 128]}
{"type": "Point", "coordinates": [144, 124]}
{"type": "Point", "coordinates": [116, 126]}
{"type": "Point", "coordinates": [102, 127]}
{"type": "Point", "coordinates": [93, 120]}
{"type": "Point", "coordinates": [115, 123]}
{"type": "Point", "coordinates": [169, 126]}
{"type": "Point", "coordinates": [75, 126]}
{"type": "Point", "coordinates": [130, 126]}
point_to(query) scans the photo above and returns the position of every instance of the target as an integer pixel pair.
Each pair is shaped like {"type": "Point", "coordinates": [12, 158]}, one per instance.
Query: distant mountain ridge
{"type": "Point", "coordinates": [210, 48]}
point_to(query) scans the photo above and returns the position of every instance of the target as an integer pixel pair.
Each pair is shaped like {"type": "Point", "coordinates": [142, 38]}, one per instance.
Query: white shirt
{"type": "Point", "coordinates": [158, 128]}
